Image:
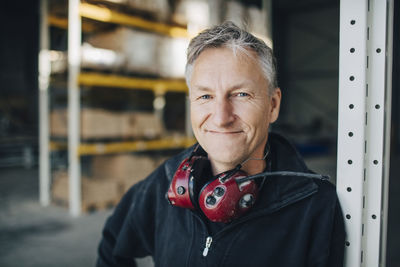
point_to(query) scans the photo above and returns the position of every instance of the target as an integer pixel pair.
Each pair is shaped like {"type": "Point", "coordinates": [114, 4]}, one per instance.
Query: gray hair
{"type": "Point", "coordinates": [231, 36]}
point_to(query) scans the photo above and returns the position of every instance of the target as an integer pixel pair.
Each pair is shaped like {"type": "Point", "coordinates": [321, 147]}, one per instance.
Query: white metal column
{"type": "Point", "coordinates": [374, 137]}
{"type": "Point", "coordinates": [351, 121]}
{"type": "Point", "coordinates": [74, 45]}
{"type": "Point", "coordinates": [44, 77]}
{"type": "Point", "coordinates": [363, 127]}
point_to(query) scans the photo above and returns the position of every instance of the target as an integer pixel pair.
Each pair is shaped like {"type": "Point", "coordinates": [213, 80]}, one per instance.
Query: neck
{"type": "Point", "coordinates": [253, 165]}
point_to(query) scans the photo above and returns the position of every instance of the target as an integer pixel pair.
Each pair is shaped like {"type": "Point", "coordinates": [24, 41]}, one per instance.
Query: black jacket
{"type": "Point", "coordinates": [296, 221]}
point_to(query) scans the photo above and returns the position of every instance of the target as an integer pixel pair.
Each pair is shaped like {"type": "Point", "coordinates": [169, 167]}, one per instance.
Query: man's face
{"type": "Point", "coordinates": [230, 106]}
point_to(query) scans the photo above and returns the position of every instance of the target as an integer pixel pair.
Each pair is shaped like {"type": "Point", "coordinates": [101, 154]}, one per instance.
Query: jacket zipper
{"type": "Point", "coordinates": [207, 247]}
{"type": "Point", "coordinates": [209, 239]}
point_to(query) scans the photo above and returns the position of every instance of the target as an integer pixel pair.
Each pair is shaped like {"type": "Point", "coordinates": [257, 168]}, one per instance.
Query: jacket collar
{"type": "Point", "coordinates": [281, 191]}
{"type": "Point", "coordinates": [278, 191]}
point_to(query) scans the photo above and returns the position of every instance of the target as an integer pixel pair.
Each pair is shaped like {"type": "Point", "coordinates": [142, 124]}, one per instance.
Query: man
{"type": "Point", "coordinates": [242, 196]}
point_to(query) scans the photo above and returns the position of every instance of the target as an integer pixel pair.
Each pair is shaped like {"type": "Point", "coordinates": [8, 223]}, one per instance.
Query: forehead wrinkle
{"type": "Point", "coordinates": [239, 85]}
{"type": "Point", "coordinates": [202, 88]}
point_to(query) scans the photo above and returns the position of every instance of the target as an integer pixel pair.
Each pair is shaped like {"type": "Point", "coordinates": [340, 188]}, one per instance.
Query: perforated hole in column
{"type": "Point", "coordinates": [352, 22]}
{"type": "Point", "coordinates": [378, 50]}
{"type": "Point", "coordinates": [351, 78]}
{"type": "Point", "coordinates": [347, 243]}
{"type": "Point", "coordinates": [350, 162]}
{"type": "Point", "coordinates": [377, 106]}
{"type": "Point", "coordinates": [348, 189]}
{"type": "Point", "coordinates": [375, 162]}
{"type": "Point", "coordinates": [373, 216]}
{"type": "Point", "coordinates": [351, 106]}
{"type": "Point", "coordinates": [348, 217]}
{"type": "Point", "coordinates": [352, 50]}
{"type": "Point", "coordinates": [351, 134]}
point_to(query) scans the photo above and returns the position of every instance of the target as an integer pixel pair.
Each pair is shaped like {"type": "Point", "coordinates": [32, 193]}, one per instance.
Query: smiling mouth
{"type": "Point", "coordinates": [223, 132]}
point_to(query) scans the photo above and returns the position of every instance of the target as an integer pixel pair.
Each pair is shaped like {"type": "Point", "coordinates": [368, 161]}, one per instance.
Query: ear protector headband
{"type": "Point", "coordinates": [225, 197]}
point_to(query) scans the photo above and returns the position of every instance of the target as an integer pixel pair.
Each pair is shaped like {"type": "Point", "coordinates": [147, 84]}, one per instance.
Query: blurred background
{"type": "Point", "coordinates": [131, 113]}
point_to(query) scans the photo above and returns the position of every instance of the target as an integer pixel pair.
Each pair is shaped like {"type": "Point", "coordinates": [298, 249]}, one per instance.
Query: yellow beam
{"type": "Point", "coordinates": [118, 147]}
{"type": "Point", "coordinates": [62, 23]}
{"type": "Point", "coordinates": [54, 146]}
{"type": "Point", "coordinates": [106, 15]}
{"type": "Point", "coordinates": [58, 22]}
{"type": "Point", "coordinates": [159, 86]}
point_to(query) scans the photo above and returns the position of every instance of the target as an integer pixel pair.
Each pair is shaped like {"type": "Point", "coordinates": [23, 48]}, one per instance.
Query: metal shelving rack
{"type": "Point", "coordinates": [159, 86]}
{"type": "Point", "coordinates": [73, 24]}
{"type": "Point", "coordinates": [104, 14]}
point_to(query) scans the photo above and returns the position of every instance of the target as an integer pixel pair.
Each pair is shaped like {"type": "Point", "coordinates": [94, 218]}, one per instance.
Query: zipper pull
{"type": "Point", "coordinates": [208, 244]}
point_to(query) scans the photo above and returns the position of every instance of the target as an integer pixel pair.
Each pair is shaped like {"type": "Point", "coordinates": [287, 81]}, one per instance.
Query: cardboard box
{"type": "Point", "coordinates": [144, 125]}
{"type": "Point", "coordinates": [121, 166]}
{"type": "Point", "coordinates": [99, 123]}
{"type": "Point", "coordinates": [172, 60]}
{"type": "Point", "coordinates": [139, 48]}
{"type": "Point", "coordinates": [91, 57]}
{"type": "Point", "coordinates": [159, 8]}
{"type": "Point", "coordinates": [101, 59]}
{"type": "Point", "coordinates": [125, 168]}
{"type": "Point", "coordinates": [97, 194]}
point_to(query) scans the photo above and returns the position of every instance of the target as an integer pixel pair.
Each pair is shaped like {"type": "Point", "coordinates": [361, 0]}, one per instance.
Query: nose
{"type": "Point", "coordinates": [223, 113]}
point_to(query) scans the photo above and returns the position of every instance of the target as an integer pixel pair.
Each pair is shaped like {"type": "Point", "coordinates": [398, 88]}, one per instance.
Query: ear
{"type": "Point", "coordinates": [275, 104]}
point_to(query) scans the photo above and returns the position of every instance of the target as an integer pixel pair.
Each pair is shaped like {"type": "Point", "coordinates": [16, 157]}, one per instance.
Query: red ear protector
{"type": "Point", "coordinates": [221, 199]}
{"type": "Point", "coordinates": [226, 197]}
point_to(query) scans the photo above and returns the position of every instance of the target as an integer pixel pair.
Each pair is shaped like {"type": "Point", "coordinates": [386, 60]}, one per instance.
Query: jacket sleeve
{"type": "Point", "coordinates": [336, 255]}
{"type": "Point", "coordinates": [129, 231]}
{"type": "Point", "coordinates": [327, 242]}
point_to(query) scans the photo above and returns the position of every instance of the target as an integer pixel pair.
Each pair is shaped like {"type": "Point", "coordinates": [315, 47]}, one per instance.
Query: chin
{"type": "Point", "coordinates": [226, 150]}
{"type": "Point", "coordinates": [226, 156]}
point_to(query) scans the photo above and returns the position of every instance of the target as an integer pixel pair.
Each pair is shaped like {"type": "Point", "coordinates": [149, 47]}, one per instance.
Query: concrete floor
{"type": "Point", "coordinates": [36, 236]}
{"type": "Point", "coordinates": [32, 235]}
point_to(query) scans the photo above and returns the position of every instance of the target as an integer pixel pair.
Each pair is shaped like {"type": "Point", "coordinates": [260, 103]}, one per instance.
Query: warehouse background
{"type": "Point", "coordinates": [305, 37]}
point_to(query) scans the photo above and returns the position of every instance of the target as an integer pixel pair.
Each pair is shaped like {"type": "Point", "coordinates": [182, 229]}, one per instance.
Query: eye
{"type": "Point", "coordinates": [242, 94]}
{"type": "Point", "coordinates": [205, 97]}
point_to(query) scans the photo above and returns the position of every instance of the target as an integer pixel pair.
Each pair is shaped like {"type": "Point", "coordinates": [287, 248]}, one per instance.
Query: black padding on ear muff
{"type": "Point", "coordinates": [201, 173]}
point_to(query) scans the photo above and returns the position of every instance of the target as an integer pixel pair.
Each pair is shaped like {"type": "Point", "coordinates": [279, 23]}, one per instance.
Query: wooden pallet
{"type": "Point", "coordinates": [97, 194]}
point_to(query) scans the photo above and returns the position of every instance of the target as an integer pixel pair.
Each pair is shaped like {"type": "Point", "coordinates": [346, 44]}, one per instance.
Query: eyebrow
{"type": "Point", "coordinates": [232, 88]}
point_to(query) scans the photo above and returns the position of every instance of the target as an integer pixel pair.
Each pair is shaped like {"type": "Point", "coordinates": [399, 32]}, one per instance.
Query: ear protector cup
{"type": "Point", "coordinates": [222, 199]}
{"type": "Point", "coordinates": [178, 193]}
{"type": "Point", "coordinates": [184, 186]}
